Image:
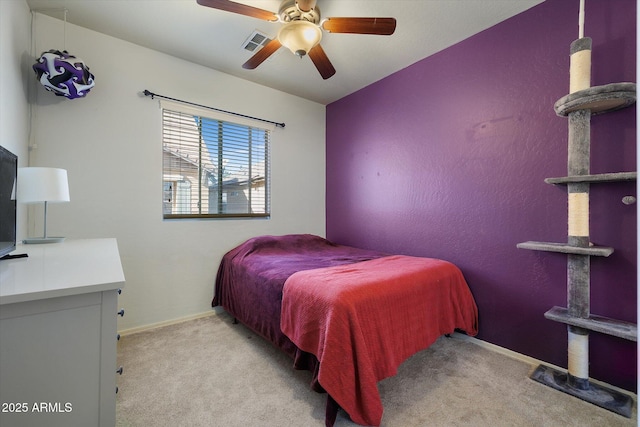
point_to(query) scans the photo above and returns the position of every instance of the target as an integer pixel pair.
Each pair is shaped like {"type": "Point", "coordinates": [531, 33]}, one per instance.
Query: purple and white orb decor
{"type": "Point", "coordinates": [63, 74]}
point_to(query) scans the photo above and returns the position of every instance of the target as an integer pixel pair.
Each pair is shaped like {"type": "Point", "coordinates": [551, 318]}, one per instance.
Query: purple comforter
{"type": "Point", "coordinates": [251, 276]}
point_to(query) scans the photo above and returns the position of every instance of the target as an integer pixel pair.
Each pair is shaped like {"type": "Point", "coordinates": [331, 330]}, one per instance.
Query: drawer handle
{"type": "Point", "coordinates": [121, 312]}
{"type": "Point", "coordinates": [119, 291]}
{"type": "Point", "coordinates": [120, 370]}
{"type": "Point", "coordinates": [117, 389]}
{"type": "Point", "coordinates": [118, 337]}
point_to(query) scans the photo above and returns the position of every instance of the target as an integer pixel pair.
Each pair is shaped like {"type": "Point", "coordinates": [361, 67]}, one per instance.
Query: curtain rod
{"type": "Point", "coordinates": [153, 95]}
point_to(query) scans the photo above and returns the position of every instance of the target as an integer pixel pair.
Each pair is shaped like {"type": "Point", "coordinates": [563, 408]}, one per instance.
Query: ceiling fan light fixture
{"type": "Point", "coordinates": [300, 36]}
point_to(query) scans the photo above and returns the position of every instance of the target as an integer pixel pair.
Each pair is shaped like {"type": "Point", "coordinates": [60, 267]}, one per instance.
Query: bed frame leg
{"type": "Point", "coordinates": [235, 321]}
{"type": "Point", "coordinates": [331, 412]}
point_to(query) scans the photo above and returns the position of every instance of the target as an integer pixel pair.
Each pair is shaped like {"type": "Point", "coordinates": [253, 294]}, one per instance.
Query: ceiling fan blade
{"type": "Point", "coordinates": [321, 61]}
{"type": "Point", "coordinates": [242, 9]}
{"type": "Point", "coordinates": [257, 59]}
{"type": "Point", "coordinates": [379, 26]}
{"type": "Point", "coordinates": [306, 5]}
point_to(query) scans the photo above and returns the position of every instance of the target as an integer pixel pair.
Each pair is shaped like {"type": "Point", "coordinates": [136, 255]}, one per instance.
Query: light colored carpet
{"type": "Point", "coordinates": [210, 372]}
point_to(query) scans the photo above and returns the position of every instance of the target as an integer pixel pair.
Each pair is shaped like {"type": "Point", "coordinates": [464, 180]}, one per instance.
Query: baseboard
{"type": "Point", "coordinates": [152, 326]}
{"type": "Point", "coordinates": [531, 361]}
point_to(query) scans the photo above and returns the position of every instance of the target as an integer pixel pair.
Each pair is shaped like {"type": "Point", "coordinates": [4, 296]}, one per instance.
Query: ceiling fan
{"type": "Point", "coordinates": [302, 29]}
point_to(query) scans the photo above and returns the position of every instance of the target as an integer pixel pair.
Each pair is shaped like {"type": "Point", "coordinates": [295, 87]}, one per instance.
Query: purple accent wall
{"type": "Point", "coordinates": [447, 159]}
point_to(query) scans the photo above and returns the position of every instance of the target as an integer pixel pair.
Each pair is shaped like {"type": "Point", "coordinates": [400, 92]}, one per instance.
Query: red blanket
{"type": "Point", "coordinates": [363, 320]}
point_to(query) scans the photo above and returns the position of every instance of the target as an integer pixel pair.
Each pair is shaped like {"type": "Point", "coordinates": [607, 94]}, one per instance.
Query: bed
{"type": "Point", "coordinates": [349, 315]}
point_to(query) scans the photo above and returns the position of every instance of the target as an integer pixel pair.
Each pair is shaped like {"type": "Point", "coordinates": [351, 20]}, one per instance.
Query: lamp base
{"type": "Point", "coordinates": [39, 240]}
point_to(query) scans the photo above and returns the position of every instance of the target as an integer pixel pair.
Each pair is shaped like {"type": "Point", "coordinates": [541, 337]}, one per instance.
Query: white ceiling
{"type": "Point", "coordinates": [214, 38]}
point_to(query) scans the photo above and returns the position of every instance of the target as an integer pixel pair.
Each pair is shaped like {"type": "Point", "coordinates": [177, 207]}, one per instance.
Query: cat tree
{"type": "Point", "coordinates": [579, 105]}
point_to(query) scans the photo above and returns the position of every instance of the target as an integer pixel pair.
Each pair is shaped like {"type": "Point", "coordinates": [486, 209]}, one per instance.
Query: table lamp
{"type": "Point", "coordinates": [37, 185]}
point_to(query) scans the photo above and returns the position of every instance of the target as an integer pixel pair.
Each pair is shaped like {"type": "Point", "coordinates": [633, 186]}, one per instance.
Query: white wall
{"type": "Point", "coordinates": [15, 63]}
{"type": "Point", "coordinates": [110, 144]}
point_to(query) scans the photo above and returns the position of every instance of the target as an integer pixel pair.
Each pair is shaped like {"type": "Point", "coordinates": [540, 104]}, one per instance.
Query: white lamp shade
{"type": "Point", "coordinates": [299, 36]}
{"type": "Point", "coordinates": [42, 185]}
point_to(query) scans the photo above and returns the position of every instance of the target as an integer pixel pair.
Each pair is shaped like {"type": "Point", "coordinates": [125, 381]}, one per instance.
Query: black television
{"type": "Point", "coordinates": [8, 182]}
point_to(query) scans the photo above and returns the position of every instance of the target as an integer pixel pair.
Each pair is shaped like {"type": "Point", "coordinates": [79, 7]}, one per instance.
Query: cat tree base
{"type": "Point", "coordinates": [598, 395]}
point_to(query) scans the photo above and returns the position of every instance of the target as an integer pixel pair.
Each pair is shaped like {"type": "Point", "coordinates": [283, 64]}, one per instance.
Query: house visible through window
{"type": "Point", "coordinates": [213, 166]}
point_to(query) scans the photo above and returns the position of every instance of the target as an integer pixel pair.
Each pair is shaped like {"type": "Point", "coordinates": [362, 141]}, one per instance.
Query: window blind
{"type": "Point", "coordinates": [213, 167]}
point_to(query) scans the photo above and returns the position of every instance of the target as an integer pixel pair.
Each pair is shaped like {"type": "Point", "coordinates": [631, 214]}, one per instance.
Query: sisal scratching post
{"type": "Point", "coordinates": [580, 65]}
{"type": "Point", "coordinates": [579, 155]}
{"type": "Point", "coordinates": [578, 266]}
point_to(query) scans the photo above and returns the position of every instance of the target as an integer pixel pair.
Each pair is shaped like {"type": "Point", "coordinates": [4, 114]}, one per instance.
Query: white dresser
{"type": "Point", "coordinates": [58, 333]}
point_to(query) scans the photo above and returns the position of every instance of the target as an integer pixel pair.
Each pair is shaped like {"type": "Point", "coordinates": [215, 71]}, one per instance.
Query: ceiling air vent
{"type": "Point", "coordinates": [255, 41]}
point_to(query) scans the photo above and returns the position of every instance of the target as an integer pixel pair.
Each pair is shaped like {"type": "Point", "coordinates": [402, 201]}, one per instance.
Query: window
{"type": "Point", "coordinates": [214, 165]}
